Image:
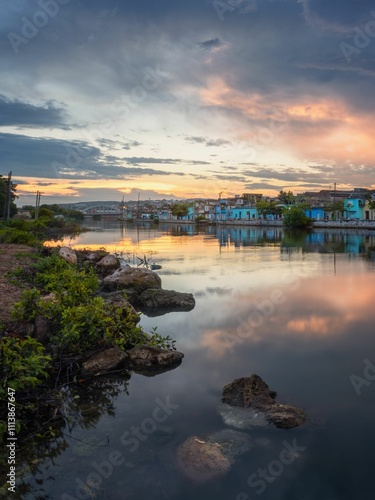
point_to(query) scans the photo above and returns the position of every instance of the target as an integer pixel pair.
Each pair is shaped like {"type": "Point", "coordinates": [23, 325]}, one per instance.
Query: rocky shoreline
{"type": "Point", "coordinates": [144, 294]}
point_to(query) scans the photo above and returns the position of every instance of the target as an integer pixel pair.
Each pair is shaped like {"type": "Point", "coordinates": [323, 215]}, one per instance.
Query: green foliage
{"type": "Point", "coordinates": [296, 217]}
{"type": "Point", "coordinates": [82, 319]}
{"type": "Point", "coordinates": [23, 364]}
{"type": "Point", "coordinates": [180, 209]}
{"type": "Point", "coordinates": [287, 198]}
{"type": "Point", "coordinates": [268, 208]}
{"type": "Point", "coordinates": [44, 213]}
{"type": "Point", "coordinates": [156, 340]}
{"type": "Point", "coordinates": [18, 236]}
{"type": "Point", "coordinates": [200, 218]}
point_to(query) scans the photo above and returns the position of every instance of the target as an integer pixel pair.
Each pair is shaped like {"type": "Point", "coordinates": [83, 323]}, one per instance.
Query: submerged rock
{"type": "Point", "coordinates": [242, 418]}
{"type": "Point", "coordinates": [201, 460]}
{"type": "Point", "coordinates": [254, 395]}
{"type": "Point", "coordinates": [232, 443]}
{"type": "Point", "coordinates": [133, 279]}
{"type": "Point", "coordinates": [158, 300]}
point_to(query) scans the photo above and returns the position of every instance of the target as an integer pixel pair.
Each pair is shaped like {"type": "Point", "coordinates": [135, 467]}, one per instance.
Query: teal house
{"type": "Point", "coordinates": [353, 208]}
{"type": "Point", "coordinates": [243, 213]}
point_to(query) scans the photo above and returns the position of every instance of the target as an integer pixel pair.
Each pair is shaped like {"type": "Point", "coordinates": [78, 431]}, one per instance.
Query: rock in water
{"type": "Point", "coordinates": [201, 460]}
{"type": "Point", "coordinates": [166, 300]}
{"type": "Point", "coordinates": [153, 358]}
{"type": "Point", "coordinates": [253, 393]}
{"type": "Point", "coordinates": [104, 361]}
{"type": "Point", "coordinates": [133, 279]}
{"type": "Point", "coordinates": [232, 443]}
{"type": "Point", "coordinates": [248, 391]}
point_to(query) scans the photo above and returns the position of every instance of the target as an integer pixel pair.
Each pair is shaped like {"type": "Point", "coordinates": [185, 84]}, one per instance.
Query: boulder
{"type": "Point", "coordinates": [132, 279]}
{"type": "Point", "coordinates": [104, 361]}
{"type": "Point", "coordinates": [254, 394]}
{"type": "Point", "coordinates": [117, 300]}
{"type": "Point", "coordinates": [153, 358]}
{"type": "Point", "coordinates": [68, 254]}
{"type": "Point", "coordinates": [107, 265]}
{"type": "Point", "coordinates": [159, 300]}
{"type": "Point", "coordinates": [285, 416]}
{"type": "Point", "coordinates": [248, 391]}
{"type": "Point", "coordinates": [232, 443]}
{"type": "Point", "coordinates": [95, 256]}
{"type": "Point", "coordinates": [201, 460]}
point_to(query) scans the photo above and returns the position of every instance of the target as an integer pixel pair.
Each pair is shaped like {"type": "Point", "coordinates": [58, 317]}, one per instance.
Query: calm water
{"type": "Point", "coordinates": [296, 309]}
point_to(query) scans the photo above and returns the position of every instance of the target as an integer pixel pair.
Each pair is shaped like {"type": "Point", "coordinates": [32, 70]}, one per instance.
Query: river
{"type": "Point", "coordinates": [295, 308]}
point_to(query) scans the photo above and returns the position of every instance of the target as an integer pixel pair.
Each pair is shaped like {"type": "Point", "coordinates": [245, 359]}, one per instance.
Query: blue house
{"type": "Point", "coordinates": [243, 213]}
{"type": "Point", "coordinates": [315, 213]}
{"type": "Point", "coordinates": [190, 215]}
{"type": "Point", "coordinates": [353, 208]}
{"type": "Point", "coordinates": [221, 210]}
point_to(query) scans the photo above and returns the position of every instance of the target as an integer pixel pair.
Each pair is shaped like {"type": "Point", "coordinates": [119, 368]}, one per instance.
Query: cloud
{"type": "Point", "coordinates": [207, 141]}
{"type": "Point", "coordinates": [41, 157]}
{"type": "Point", "coordinates": [23, 114]}
{"type": "Point", "coordinates": [213, 43]}
{"type": "Point", "coordinates": [163, 161]}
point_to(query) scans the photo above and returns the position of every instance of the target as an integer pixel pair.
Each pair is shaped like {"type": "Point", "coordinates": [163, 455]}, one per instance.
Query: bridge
{"type": "Point", "coordinates": [102, 210]}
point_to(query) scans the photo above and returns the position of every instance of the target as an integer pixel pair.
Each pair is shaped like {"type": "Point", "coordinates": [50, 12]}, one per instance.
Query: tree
{"type": "Point", "coordinates": [180, 209]}
{"type": "Point", "coordinates": [296, 217]}
{"type": "Point", "coordinates": [268, 208]}
{"type": "Point", "coordinates": [286, 197]}
{"type": "Point", "coordinates": [3, 197]}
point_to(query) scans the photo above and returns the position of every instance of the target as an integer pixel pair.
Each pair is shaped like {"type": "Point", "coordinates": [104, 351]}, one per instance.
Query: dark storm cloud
{"type": "Point", "coordinates": [54, 158]}
{"type": "Point", "coordinates": [23, 114]}
{"type": "Point", "coordinates": [211, 44]}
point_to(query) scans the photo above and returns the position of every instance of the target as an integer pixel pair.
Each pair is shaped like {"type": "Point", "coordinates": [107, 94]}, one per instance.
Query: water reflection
{"type": "Point", "coordinates": [296, 308]}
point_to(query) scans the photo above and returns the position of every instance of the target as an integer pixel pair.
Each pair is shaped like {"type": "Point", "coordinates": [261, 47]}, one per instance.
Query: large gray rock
{"type": "Point", "coordinates": [107, 265]}
{"type": "Point", "coordinates": [133, 279]}
{"type": "Point", "coordinates": [166, 301]}
{"type": "Point", "coordinates": [153, 358]}
{"type": "Point", "coordinates": [253, 393]}
{"type": "Point", "coordinates": [68, 254]}
{"type": "Point", "coordinates": [104, 361]}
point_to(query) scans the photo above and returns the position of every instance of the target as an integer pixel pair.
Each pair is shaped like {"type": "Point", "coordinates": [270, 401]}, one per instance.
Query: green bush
{"type": "Point", "coordinates": [18, 236]}
{"type": "Point", "coordinates": [296, 217]}
{"type": "Point", "coordinates": [24, 365]}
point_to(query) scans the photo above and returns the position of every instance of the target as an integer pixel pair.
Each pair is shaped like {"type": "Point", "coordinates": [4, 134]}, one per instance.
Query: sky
{"type": "Point", "coordinates": [185, 99]}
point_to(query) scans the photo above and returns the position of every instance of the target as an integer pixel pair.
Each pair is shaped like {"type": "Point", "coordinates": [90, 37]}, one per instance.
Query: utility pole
{"type": "Point", "coordinates": [37, 204]}
{"type": "Point", "coordinates": [8, 198]}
